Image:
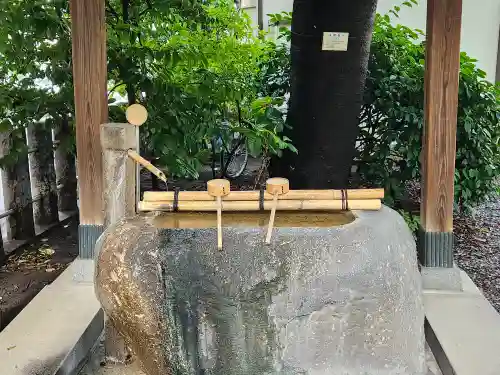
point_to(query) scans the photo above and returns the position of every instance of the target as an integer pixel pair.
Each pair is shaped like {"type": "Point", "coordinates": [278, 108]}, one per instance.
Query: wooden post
{"type": "Point", "coordinates": [17, 189]}
{"type": "Point", "coordinates": [260, 14]}
{"type": "Point", "coordinates": [65, 169]}
{"type": "Point", "coordinates": [119, 171]}
{"type": "Point", "coordinates": [497, 76]}
{"type": "Point", "coordinates": [119, 180]}
{"type": "Point", "coordinates": [91, 108]}
{"type": "Point", "coordinates": [2, 251]}
{"type": "Point", "coordinates": [439, 144]}
{"type": "Point", "coordinates": [43, 175]}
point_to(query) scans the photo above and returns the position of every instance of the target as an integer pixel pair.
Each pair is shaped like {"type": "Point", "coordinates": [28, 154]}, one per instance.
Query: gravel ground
{"type": "Point", "coordinates": [477, 248]}
{"type": "Point", "coordinates": [477, 242]}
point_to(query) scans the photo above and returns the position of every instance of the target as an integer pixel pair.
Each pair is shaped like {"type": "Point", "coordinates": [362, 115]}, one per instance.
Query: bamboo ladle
{"type": "Point", "coordinates": [136, 114]}
{"type": "Point", "coordinates": [219, 188]}
{"type": "Point", "coordinates": [276, 187]}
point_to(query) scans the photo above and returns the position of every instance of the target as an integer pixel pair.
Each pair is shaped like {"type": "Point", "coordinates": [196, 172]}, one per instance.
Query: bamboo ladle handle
{"type": "Point", "coordinates": [276, 187]}
{"type": "Point", "coordinates": [219, 188]}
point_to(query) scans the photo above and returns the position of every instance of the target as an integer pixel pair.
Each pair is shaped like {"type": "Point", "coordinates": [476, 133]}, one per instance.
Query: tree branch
{"type": "Point", "coordinates": [111, 10]}
{"type": "Point", "coordinates": [239, 111]}
{"type": "Point", "coordinates": [148, 8]}
{"type": "Point", "coordinates": [115, 87]}
{"type": "Point", "coordinates": [125, 6]}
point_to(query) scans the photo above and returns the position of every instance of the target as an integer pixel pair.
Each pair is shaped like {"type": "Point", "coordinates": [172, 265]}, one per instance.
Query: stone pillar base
{"type": "Point", "coordinates": [87, 238]}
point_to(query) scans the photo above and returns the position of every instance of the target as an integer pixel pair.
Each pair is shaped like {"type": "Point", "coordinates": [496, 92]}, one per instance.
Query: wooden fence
{"type": "Point", "coordinates": [39, 187]}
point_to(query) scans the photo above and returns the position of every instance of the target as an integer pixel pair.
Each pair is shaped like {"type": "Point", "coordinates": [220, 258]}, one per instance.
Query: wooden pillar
{"type": "Point", "coordinates": [91, 110]}
{"type": "Point", "coordinates": [119, 180]}
{"type": "Point", "coordinates": [442, 66]}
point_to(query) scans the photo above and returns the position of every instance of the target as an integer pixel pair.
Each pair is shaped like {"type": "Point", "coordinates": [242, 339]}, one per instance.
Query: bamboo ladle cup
{"type": "Point", "coordinates": [136, 114]}
{"type": "Point", "coordinates": [276, 187]}
{"type": "Point", "coordinates": [219, 188]}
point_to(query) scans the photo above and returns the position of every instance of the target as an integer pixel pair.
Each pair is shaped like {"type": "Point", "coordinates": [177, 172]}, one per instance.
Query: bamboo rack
{"type": "Point", "coordinates": [282, 205]}
{"type": "Point", "coordinates": [307, 195]}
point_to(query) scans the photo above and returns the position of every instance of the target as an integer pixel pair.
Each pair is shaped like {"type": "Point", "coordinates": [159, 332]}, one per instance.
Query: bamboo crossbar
{"type": "Point", "coordinates": [282, 205]}
{"type": "Point", "coordinates": [354, 194]}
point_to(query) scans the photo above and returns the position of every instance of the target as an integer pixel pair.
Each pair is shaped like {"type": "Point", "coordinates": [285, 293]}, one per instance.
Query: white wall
{"type": "Point", "coordinates": [481, 22]}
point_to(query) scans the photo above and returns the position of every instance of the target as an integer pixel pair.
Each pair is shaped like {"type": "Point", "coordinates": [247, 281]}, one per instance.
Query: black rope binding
{"type": "Point", "coordinates": [261, 198]}
{"type": "Point", "coordinates": [345, 201]}
{"type": "Point", "coordinates": [176, 199]}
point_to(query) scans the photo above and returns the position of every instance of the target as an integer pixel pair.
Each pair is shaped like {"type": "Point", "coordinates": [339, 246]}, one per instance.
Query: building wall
{"type": "Point", "coordinates": [480, 26]}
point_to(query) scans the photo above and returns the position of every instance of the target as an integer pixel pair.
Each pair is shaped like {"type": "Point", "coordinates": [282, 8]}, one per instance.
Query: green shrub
{"type": "Point", "coordinates": [198, 78]}
{"type": "Point", "coordinates": [391, 120]}
{"type": "Point", "coordinates": [194, 64]}
{"type": "Point", "coordinates": [412, 220]}
{"type": "Point", "coordinates": [275, 65]}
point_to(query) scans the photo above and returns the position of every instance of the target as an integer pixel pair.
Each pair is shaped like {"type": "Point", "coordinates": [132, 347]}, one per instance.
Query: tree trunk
{"type": "Point", "coordinates": [327, 90]}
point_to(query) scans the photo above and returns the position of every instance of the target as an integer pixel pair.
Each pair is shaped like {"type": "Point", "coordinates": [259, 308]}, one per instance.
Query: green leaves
{"type": "Point", "coordinates": [35, 69]}
{"type": "Point", "coordinates": [254, 145]}
{"type": "Point", "coordinates": [391, 120]}
{"type": "Point", "coordinates": [413, 221]}
{"type": "Point", "coordinates": [264, 126]}
{"type": "Point", "coordinates": [199, 77]}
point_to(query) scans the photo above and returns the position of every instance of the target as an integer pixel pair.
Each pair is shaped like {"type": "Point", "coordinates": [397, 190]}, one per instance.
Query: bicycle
{"type": "Point", "coordinates": [229, 154]}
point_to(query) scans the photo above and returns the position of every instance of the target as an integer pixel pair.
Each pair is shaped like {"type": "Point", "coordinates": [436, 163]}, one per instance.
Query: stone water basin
{"type": "Point", "coordinates": [332, 294]}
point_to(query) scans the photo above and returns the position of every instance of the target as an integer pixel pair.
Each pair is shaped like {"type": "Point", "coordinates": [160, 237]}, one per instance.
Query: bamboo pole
{"type": "Point", "coordinates": [352, 194]}
{"type": "Point", "coordinates": [282, 205]}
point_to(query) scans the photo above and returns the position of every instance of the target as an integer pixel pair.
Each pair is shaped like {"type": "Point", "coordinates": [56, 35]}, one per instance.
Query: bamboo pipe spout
{"type": "Point", "coordinates": [146, 164]}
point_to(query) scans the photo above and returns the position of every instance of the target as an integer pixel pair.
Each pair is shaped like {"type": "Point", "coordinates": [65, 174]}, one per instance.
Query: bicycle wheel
{"type": "Point", "coordinates": [238, 161]}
